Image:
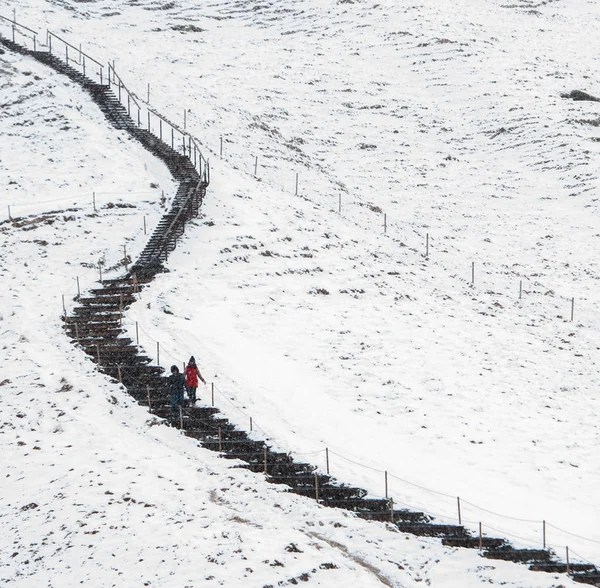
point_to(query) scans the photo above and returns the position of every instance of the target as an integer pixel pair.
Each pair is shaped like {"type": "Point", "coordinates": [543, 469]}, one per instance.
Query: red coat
{"type": "Point", "coordinates": [191, 374]}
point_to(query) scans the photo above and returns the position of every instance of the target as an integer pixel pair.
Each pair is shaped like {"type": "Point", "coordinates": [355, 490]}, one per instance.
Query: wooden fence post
{"type": "Point", "coordinates": [459, 514]}
{"type": "Point", "coordinates": [473, 272]}
{"type": "Point", "coordinates": [212, 393]}
{"type": "Point", "coordinates": [157, 353]}
{"type": "Point", "coordinates": [544, 533]}
{"type": "Point", "coordinates": [572, 308]}
{"type": "Point", "coordinates": [94, 200]}
{"type": "Point", "coordinates": [480, 538]}
{"type": "Point", "coordinates": [78, 288]}
{"type": "Point", "coordinates": [296, 184]}
{"type": "Point", "coordinates": [327, 459]}
{"type": "Point", "coordinates": [316, 487]}
{"type": "Point", "coordinates": [220, 439]}
{"type": "Point", "coordinates": [386, 484]}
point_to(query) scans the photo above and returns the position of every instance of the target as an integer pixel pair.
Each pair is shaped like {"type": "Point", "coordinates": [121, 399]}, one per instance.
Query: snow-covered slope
{"type": "Point", "coordinates": [326, 331]}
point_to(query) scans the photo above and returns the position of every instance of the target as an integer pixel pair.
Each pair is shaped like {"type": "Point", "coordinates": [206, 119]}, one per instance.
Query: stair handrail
{"type": "Point", "coordinates": [184, 134]}
{"type": "Point", "coordinates": [201, 161]}
{"type": "Point", "coordinates": [118, 77]}
{"type": "Point", "coordinates": [192, 191]}
{"type": "Point", "coordinates": [130, 94]}
{"type": "Point", "coordinates": [15, 25]}
{"type": "Point", "coordinates": [50, 34]}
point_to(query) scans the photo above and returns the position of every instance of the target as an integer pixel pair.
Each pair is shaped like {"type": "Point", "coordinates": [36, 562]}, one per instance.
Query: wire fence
{"type": "Point", "coordinates": [533, 532]}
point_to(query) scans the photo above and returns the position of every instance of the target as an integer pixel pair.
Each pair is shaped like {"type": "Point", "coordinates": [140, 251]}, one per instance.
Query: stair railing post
{"type": "Point", "coordinates": [120, 374]}
{"type": "Point", "coordinates": [157, 353]}
{"type": "Point", "coordinates": [220, 439]}
{"type": "Point", "coordinates": [212, 393]}
{"type": "Point", "coordinates": [137, 334]}
{"type": "Point", "coordinates": [316, 487]}
{"type": "Point", "coordinates": [459, 515]}
{"type": "Point", "coordinates": [84, 65]}
{"type": "Point", "coordinates": [568, 562]}
{"type": "Point", "coordinates": [392, 510]}
{"type": "Point", "coordinates": [386, 484]}
{"type": "Point", "coordinates": [480, 538]}
{"type": "Point", "coordinates": [327, 459]}
{"type": "Point", "coordinates": [77, 332]}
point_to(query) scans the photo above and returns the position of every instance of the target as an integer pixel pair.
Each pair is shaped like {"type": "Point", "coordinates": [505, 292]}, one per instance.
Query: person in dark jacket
{"type": "Point", "coordinates": [177, 385]}
{"type": "Point", "coordinates": [192, 374]}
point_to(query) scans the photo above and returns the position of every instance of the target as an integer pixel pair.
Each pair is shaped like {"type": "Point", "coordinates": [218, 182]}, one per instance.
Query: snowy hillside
{"type": "Point", "coordinates": [308, 318]}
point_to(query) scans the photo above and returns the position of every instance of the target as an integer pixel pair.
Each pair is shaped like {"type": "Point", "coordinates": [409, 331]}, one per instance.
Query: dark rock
{"type": "Point", "coordinates": [579, 95]}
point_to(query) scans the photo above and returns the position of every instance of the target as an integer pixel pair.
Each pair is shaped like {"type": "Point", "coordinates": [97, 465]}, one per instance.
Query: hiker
{"type": "Point", "coordinates": [177, 385]}
{"type": "Point", "coordinates": [192, 373]}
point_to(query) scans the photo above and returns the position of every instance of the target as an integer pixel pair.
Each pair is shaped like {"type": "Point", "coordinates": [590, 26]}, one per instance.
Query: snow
{"type": "Point", "coordinates": [323, 329]}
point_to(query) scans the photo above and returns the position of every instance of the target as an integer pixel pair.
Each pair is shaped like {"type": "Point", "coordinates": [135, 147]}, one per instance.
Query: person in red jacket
{"type": "Point", "coordinates": [192, 374]}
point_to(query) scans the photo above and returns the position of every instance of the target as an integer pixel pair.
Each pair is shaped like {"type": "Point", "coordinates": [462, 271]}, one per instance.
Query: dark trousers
{"type": "Point", "coordinates": [176, 402]}
{"type": "Point", "coordinates": [192, 393]}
